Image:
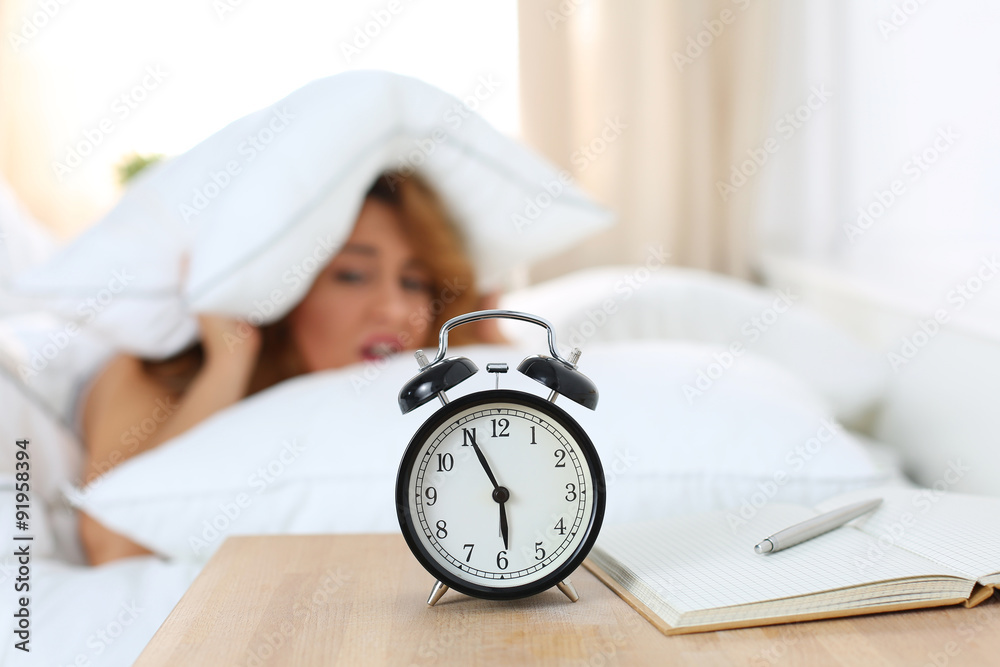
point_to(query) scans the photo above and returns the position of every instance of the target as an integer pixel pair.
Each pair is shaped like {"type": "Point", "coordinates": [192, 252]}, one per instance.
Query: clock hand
{"type": "Point", "coordinates": [500, 493]}
{"type": "Point", "coordinates": [486, 466]}
{"type": "Point", "coordinates": [503, 525]}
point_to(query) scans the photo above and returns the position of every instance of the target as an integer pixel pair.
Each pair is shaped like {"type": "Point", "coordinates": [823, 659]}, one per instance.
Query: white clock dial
{"type": "Point", "coordinates": [547, 509]}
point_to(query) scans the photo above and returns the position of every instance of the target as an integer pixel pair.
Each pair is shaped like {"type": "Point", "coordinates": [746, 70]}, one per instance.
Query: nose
{"type": "Point", "coordinates": [391, 307]}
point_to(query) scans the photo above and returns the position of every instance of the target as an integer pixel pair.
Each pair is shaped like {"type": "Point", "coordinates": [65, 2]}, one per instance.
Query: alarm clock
{"type": "Point", "coordinates": [500, 494]}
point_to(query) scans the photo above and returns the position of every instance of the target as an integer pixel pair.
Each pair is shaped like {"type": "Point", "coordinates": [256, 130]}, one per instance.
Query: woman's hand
{"type": "Point", "coordinates": [229, 341]}
{"type": "Point", "coordinates": [124, 396]}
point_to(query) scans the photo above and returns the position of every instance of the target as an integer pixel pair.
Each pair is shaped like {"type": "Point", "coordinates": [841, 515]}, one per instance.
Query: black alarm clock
{"type": "Point", "coordinates": [500, 493]}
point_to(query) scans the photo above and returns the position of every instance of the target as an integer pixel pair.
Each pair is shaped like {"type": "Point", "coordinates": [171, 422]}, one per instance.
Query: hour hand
{"type": "Point", "coordinates": [501, 495]}
{"type": "Point", "coordinates": [503, 525]}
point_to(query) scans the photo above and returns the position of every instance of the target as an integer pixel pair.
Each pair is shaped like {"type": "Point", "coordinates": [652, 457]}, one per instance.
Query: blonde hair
{"type": "Point", "coordinates": [436, 242]}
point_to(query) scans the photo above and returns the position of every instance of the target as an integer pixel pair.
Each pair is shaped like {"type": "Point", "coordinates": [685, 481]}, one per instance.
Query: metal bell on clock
{"type": "Point", "coordinates": [562, 378]}
{"type": "Point", "coordinates": [433, 380]}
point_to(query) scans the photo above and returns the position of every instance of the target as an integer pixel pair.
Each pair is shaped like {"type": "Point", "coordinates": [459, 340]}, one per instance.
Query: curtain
{"type": "Point", "coordinates": [651, 106]}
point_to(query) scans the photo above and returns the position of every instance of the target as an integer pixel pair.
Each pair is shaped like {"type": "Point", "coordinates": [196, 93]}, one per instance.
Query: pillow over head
{"type": "Point", "coordinates": [262, 204]}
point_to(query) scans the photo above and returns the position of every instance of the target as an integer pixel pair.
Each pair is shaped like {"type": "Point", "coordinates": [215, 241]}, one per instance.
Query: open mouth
{"type": "Point", "coordinates": [380, 349]}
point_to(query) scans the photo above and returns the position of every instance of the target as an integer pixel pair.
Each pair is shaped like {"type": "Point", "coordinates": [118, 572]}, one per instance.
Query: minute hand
{"type": "Point", "coordinates": [486, 466]}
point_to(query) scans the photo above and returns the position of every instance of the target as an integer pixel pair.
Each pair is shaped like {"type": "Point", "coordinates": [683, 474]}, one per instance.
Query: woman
{"type": "Point", "coordinates": [389, 289]}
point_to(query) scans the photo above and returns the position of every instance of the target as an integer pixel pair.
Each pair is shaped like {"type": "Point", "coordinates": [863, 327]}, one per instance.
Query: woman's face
{"type": "Point", "coordinates": [371, 300]}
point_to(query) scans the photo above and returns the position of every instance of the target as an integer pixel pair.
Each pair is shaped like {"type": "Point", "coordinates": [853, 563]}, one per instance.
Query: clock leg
{"type": "Point", "coordinates": [566, 586]}
{"type": "Point", "coordinates": [439, 590]}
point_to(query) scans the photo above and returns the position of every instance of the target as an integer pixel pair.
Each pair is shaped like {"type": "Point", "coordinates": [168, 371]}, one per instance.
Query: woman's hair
{"type": "Point", "coordinates": [436, 244]}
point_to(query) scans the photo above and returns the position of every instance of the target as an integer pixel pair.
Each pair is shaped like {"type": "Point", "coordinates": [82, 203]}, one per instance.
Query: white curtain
{"type": "Point", "coordinates": [649, 105]}
{"type": "Point", "coordinates": [893, 182]}
{"type": "Point", "coordinates": [810, 111]}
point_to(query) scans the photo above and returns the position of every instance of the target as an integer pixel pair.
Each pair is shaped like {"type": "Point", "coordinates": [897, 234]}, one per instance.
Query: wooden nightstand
{"type": "Point", "coordinates": [361, 600]}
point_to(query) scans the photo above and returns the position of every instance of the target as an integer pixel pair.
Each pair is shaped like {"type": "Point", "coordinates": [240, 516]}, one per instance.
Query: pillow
{"type": "Point", "coordinates": [653, 301]}
{"type": "Point", "coordinates": [262, 204]}
{"type": "Point", "coordinates": [319, 453]}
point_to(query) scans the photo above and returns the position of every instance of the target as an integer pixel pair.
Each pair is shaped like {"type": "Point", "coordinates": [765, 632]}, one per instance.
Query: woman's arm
{"type": "Point", "coordinates": [123, 397]}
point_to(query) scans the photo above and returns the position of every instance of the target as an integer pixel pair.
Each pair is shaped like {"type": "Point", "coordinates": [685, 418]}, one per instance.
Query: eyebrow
{"type": "Point", "coordinates": [360, 249]}
{"type": "Point", "coordinates": [372, 251]}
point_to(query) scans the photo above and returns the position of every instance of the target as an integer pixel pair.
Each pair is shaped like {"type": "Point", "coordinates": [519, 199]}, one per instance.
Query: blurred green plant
{"type": "Point", "coordinates": [132, 164]}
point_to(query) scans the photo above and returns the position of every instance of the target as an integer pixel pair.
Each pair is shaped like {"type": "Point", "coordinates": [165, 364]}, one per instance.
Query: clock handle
{"type": "Point", "coordinates": [499, 314]}
{"type": "Point", "coordinates": [438, 375]}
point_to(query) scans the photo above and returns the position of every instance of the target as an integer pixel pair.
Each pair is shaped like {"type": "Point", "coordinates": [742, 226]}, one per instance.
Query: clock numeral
{"type": "Point", "coordinates": [532, 436]}
{"type": "Point", "coordinates": [442, 529]}
{"type": "Point", "coordinates": [539, 551]}
{"type": "Point", "coordinates": [561, 455]}
{"type": "Point", "coordinates": [445, 462]}
{"type": "Point", "coordinates": [470, 547]}
{"type": "Point", "coordinates": [560, 527]}
{"type": "Point", "coordinates": [504, 425]}
{"type": "Point", "coordinates": [432, 495]}
{"type": "Point", "coordinates": [571, 492]}
{"type": "Point", "coordinates": [501, 561]}
{"type": "Point", "coordinates": [468, 437]}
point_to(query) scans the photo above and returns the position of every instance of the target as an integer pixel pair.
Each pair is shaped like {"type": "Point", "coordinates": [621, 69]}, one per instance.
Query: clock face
{"type": "Point", "coordinates": [500, 494]}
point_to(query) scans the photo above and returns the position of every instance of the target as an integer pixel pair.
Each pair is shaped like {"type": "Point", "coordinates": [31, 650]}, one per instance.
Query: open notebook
{"type": "Point", "coordinates": [920, 548]}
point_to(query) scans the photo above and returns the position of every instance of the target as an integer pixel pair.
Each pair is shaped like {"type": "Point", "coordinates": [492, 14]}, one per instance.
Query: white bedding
{"type": "Point", "coordinates": [90, 616]}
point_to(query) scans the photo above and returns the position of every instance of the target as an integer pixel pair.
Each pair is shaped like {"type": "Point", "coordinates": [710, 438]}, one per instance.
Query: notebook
{"type": "Point", "coordinates": [920, 548]}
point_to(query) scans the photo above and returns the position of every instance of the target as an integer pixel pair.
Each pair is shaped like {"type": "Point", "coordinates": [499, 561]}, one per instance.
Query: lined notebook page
{"type": "Point", "coordinates": [956, 530]}
{"type": "Point", "coordinates": [704, 561]}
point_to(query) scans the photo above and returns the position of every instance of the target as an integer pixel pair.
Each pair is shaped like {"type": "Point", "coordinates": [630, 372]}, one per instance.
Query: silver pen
{"type": "Point", "coordinates": [815, 526]}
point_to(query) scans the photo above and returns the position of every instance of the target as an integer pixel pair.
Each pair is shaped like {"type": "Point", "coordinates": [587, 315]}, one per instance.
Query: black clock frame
{"type": "Point", "coordinates": [409, 526]}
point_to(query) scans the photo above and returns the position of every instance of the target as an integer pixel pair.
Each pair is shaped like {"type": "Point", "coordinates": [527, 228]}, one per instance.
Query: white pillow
{"type": "Point", "coordinates": [319, 453]}
{"type": "Point", "coordinates": [263, 203]}
{"type": "Point", "coordinates": [653, 301]}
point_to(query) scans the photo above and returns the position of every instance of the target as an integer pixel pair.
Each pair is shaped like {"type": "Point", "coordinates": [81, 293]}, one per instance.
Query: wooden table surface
{"type": "Point", "coordinates": [361, 600]}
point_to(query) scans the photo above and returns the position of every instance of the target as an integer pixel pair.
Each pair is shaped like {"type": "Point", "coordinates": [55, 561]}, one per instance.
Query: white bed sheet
{"type": "Point", "coordinates": [92, 616]}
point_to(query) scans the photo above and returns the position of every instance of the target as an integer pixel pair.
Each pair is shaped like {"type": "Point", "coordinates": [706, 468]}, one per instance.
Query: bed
{"type": "Point", "coordinates": [715, 394]}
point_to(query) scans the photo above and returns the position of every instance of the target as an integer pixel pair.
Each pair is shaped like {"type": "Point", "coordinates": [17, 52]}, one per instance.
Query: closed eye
{"type": "Point", "coordinates": [413, 284]}
{"type": "Point", "coordinates": [349, 277]}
